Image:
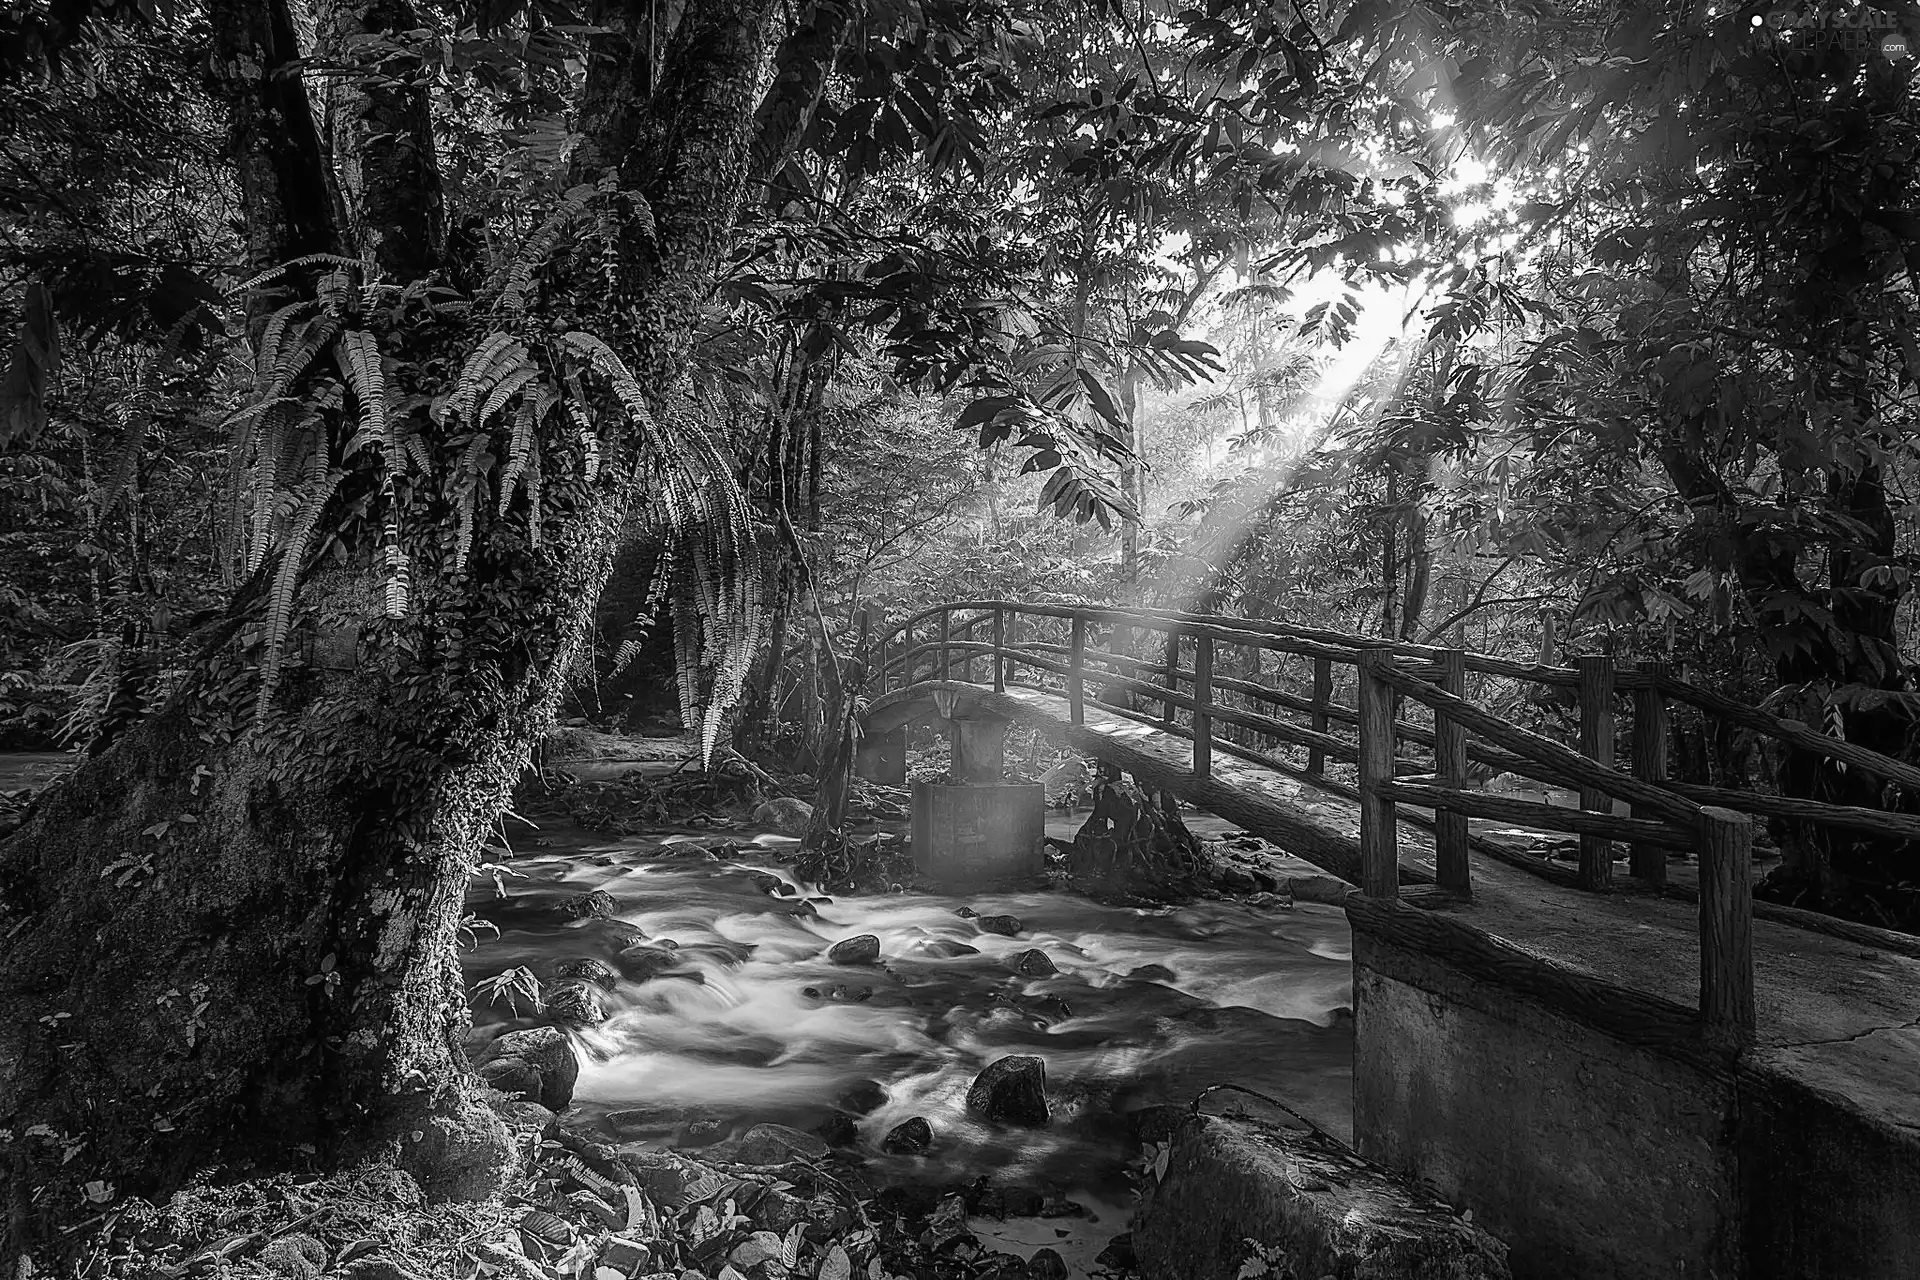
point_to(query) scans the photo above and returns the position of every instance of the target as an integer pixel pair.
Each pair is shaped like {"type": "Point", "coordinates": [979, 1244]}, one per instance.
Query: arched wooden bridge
{"type": "Point", "coordinates": [1669, 953]}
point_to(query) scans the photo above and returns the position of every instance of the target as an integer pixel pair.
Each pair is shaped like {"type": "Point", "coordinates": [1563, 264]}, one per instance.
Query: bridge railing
{"type": "Point", "coordinates": [1404, 746]}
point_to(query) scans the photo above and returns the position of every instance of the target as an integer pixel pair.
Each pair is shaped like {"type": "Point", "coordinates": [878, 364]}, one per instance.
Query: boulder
{"type": "Point", "coordinates": [1314, 1209]}
{"type": "Point", "coordinates": [1034, 963]}
{"type": "Point", "coordinates": [597, 905]}
{"type": "Point", "coordinates": [908, 1138]}
{"type": "Point", "coordinates": [1046, 1264]}
{"type": "Point", "coordinates": [644, 962]}
{"type": "Point", "coordinates": [548, 1053]}
{"type": "Point", "coordinates": [1005, 926]}
{"type": "Point", "coordinates": [1012, 1090]}
{"type": "Point", "coordinates": [862, 949]}
{"type": "Point", "coordinates": [946, 948]}
{"type": "Point", "coordinates": [587, 969]}
{"type": "Point", "coordinates": [785, 815]}
{"type": "Point", "coordinates": [771, 1144]}
{"type": "Point", "coordinates": [862, 1098]}
{"type": "Point", "coordinates": [1151, 973]}
{"type": "Point", "coordinates": [580, 1004]}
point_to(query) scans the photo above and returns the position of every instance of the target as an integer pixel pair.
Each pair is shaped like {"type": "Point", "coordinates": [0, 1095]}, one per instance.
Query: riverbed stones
{"type": "Point", "coordinates": [595, 905]}
{"type": "Point", "coordinates": [861, 949]}
{"type": "Point", "coordinates": [1012, 1090]}
{"type": "Point", "coordinates": [579, 1004]}
{"type": "Point", "coordinates": [587, 969]}
{"type": "Point", "coordinates": [785, 815]}
{"type": "Point", "coordinates": [1004, 925]}
{"type": "Point", "coordinates": [643, 962]}
{"type": "Point", "coordinates": [1034, 963]}
{"type": "Point", "coordinates": [1323, 1209]}
{"type": "Point", "coordinates": [862, 1098]}
{"type": "Point", "coordinates": [768, 1144]}
{"type": "Point", "coordinates": [1046, 1264]}
{"type": "Point", "coordinates": [910, 1137]}
{"type": "Point", "coordinates": [540, 1063]}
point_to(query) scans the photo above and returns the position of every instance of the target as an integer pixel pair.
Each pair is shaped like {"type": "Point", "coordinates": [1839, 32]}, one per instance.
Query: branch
{"type": "Point", "coordinates": [1474, 604]}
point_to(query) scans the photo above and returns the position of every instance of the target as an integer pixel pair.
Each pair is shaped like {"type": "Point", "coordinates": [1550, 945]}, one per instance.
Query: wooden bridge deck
{"type": "Point", "coordinates": [1837, 1014]}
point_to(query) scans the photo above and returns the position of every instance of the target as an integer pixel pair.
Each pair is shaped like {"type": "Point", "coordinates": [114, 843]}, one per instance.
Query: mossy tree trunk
{"type": "Point", "coordinates": [228, 934]}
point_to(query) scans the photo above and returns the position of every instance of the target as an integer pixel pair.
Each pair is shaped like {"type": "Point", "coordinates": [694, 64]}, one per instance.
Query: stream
{"type": "Point", "coordinates": [754, 1023]}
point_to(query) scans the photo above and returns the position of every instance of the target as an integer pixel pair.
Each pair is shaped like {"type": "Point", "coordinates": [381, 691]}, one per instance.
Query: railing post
{"type": "Point", "coordinates": [1077, 674]}
{"type": "Point", "coordinates": [999, 643]}
{"type": "Point", "coordinates": [1173, 677]}
{"type": "Point", "coordinates": [1726, 927]}
{"type": "Point", "coordinates": [1596, 743]}
{"type": "Point", "coordinates": [1202, 699]}
{"type": "Point", "coordinates": [1379, 856]}
{"type": "Point", "coordinates": [1649, 862]}
{"type": "Point", "coordinates": [1322, 695]}
{"type": "Point", "coordinates": [1450, 770]}
{"type": "Point", "coordinates": [946, 642]}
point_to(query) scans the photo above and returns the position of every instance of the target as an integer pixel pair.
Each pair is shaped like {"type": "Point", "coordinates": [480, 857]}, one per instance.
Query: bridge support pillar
{"type": "Point", "coordinates": [979, 751]}
{"type": "Point", "coordinates": [882, 757]}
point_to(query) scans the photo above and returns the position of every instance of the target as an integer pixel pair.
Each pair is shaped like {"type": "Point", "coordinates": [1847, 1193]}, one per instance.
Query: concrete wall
{"type": "Point", "coordinates": [1831, 1193]}
{"type": "Point", "coordinates": [1593, 1160]}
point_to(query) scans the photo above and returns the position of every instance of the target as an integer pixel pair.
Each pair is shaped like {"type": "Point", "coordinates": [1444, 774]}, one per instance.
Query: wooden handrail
{"type": "Point", "coordinates": [1493, 743]}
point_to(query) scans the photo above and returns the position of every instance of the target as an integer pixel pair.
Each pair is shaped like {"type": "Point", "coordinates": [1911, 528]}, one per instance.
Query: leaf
{"type": "Point", "coordinates": [836, 1265]}
{"type": "Point", "coordinates": [1102, 402]}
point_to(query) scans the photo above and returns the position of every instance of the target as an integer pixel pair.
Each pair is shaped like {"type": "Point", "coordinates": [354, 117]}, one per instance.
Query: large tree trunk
{"type": "Point", "coordinates": [226, 934]}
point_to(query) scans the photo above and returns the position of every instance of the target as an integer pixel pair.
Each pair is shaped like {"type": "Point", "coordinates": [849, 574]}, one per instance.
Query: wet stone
{"type": "Point", "coordinates": [587, 969]}
{"type": "Point", "coordinates": [1046, 1264]}
{"type": "Point", "coordinates": [579, 1003]}
{"type": "Point", "coordinates": [908, 1138]}
{"type": "Point", "coordinates": [1034, 963]}
{"type": "Point", "coordinates": [644, 962]}
{"type": "Point", "coordinates": [546, 1066]}
{"type": "Point", "coordinates": [863, 1098]}
{"type": "Point", "coordinates": [1005, 926]}
{"type": "Point", "coordinates": [862, 949]}
{"type": "Point", "coordinates": [1151, 973]}
{"type": "Point", "coordinates": [966, 913]}
{"type": "Point", "coordinates": [947, 948]}
{"type": "Point", "coordinates": [1012, 1090]}
{"type": "Point", "coordinates": [597, 905]}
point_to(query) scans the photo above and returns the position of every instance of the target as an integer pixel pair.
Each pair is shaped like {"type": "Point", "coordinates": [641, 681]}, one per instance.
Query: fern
{"type": "Point", "coordinates": [517, 454]}
{"type": "Point", "coordinates": [466, 491]}
{"type": "Point", "coordinates": [509, 286]}
{"type": "Point", "coordinates": [359, 358]}
{"type": "Point", "coordinates": [499, 355]}
{"type": "Point", "coordinates": [399, 584]}
{"type": "Point", "coordinates": [285, 578]}
{"type": "Point", "coordinates": [504, 390]}
{"type": "Point", "coordinates": [274, 273]}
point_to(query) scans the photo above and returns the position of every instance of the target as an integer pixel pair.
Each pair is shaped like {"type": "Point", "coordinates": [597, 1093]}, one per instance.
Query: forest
{"type": "Point", "coordinates": [412, 410]}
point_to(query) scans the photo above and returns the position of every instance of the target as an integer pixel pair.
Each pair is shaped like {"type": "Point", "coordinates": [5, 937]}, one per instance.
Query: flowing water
{"type": "Point", "coordinates": [756, 1024]}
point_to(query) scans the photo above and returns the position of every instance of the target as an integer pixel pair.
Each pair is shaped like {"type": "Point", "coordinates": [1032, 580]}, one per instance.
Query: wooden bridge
{"type": "Point", "coordinates": [1668, 959]}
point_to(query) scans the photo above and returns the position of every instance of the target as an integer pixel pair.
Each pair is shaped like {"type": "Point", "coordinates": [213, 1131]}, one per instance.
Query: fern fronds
{"type": "Point", "coordinates": [481, 369]}
{"type": "Point", "coordinates": [359, 358]}
{"type": "Point", "coordinates": [504, 390]}
{"type": "Point", "coordinates": [286, 577]}
{"type": "Point", "coordinates": [466, 493]}
{"type": "Point", "coordinates": [274, 273]}
{"type": "Point", "coordinates": [517, 453]}
{"type": "Point", "coordinates": [399, 584]}
{"type": "Point", "coordinates": [267, 356]}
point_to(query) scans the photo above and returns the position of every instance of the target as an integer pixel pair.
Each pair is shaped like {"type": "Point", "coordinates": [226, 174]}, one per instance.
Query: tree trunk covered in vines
{"type": "Point", "coordinates": [226, 934]}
